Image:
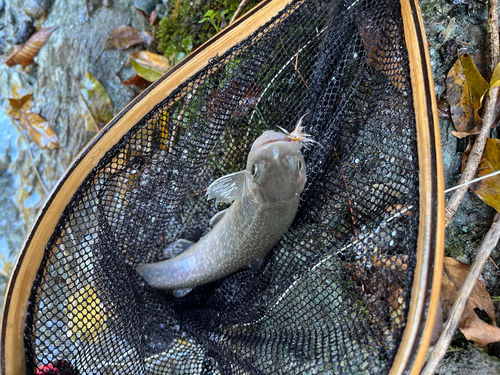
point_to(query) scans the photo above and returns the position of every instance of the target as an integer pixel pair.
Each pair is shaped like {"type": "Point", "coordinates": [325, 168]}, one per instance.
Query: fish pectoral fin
{"type": "Point", "coordinates": [177, 247]}
{"type": "Point", "coordinates": [216, 218]}
{"type": "Point", "coordinates": [228, 188]}
{"type": "Point", "coordinates": [181, 292]}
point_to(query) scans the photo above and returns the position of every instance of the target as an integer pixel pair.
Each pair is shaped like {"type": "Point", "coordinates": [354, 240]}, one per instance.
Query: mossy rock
{"type": "Point", "coordinates": [180, 29]}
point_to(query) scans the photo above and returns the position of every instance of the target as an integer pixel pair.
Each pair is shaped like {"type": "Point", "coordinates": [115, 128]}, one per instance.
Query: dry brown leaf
{"type": "Point", "coordinates": [480, 298]}
{"type": "Point", "coordinates": [465, 88]}
{"type": "Point", "coordinates": [25, 53]}
{"type": "Point", "coordinates": [138, 81]}
{"type": "Point", "coordinates": [454, 274]}
{"type": "Point", "coordinates": [37, 127]}
{"type": "Point", "coordinates": [125, 36]}
{"type": "Point", "coordinates": [443, 109]}
{"type": "Point", "coordinates": [482, 333]}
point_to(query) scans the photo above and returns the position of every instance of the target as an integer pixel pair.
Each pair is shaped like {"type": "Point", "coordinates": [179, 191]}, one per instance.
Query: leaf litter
{"type": "Point", "coordinates": [472, 327]}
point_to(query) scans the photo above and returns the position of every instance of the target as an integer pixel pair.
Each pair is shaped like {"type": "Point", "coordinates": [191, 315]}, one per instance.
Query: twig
{"type": "Point", "coordinates": [239, 10]}
{"type": "Point", "coordinates": [492, 32]}
{"type": "Point", "coordinates": [488, 117]}
{"type": "Point", "coordinates": [175, 10]}
{"type": "Point", "coordinates": [75, 82]}
{"type": "Point", "coordinates": [489, 242]}
{"type": "Point", "coordinates": [492, 261]}
{"type": "Point", "coordinates": [297, 69]}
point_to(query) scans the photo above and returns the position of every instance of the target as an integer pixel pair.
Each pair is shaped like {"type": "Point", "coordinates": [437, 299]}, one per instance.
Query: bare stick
{"type": "Point", "coordinates": [492, 32]}
{"type": "Point", "coordinates": [238, 11]}
{"type": "Point", "coordinates": [474, 157]}
{"type": "Point", "coordinates": [488, 116]}
{"type": "Point", "coordinates": [483, 253]}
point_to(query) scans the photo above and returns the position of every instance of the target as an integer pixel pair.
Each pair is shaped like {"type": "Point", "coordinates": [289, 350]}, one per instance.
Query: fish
{"type": "Point", "coordinates": [265, 198]}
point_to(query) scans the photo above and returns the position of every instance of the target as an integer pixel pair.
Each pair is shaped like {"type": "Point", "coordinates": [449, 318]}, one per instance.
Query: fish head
{"type": "Point", "coordinates": [276, 169]}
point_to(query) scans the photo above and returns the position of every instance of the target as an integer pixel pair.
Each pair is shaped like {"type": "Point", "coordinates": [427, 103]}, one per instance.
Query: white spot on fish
{"type": "Point", "coordinates": [275, 152]}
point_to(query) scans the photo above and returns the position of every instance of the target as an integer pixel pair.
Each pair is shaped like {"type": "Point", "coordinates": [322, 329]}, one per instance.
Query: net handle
{"type": "Point", "coordinates": [12, 357]}
{"type": "Point", "coordinates": [430, 241]}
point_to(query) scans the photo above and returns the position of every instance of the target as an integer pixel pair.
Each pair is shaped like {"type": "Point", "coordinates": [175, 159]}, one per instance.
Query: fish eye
{"type": "Point", "coordinates": [253, 171]}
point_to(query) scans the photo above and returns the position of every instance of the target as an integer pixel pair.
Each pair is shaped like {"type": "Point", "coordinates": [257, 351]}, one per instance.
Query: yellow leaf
{"type": "Point", "coordinates": [39, 130]}
{"type": "Point", "coordinates": [148, 65]}
{"type": "Point", "coordinates": [97, 101]}
{"type": "Point", "coordinates": [18, 105]}
{"type": "Point", "coordinates": [37, 127]}
{"type": "Point", "coordinates": [465, 88]}
{"type": "Point", "coordinates": [495, 77]}
{"type": "Point", "coordinates": [488, 190]}
{"type": "Point", "coordinates": [7, 266]}
{"type": "Point", "coordinates": [86, 315]}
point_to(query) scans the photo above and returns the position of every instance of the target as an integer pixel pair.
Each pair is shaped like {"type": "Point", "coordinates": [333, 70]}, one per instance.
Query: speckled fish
{"type": "Point", "coordinates": [265, 200]}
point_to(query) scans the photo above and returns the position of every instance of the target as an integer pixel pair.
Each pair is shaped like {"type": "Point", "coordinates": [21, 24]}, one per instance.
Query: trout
{"type": "Point", "coordinates": [265, 198]}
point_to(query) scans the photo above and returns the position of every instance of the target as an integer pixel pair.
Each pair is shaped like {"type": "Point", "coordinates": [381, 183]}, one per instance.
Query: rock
{"type": "Point", "coordinates": [10, 18]}
{"type": "Point", "coordinates": [147, 6]}
{"type": "Point", "coordinates": [24, 32]}
{"type": "Point", "coordinates": [2, 6]}
{"type": "Point", "coordinates": [35, 8]}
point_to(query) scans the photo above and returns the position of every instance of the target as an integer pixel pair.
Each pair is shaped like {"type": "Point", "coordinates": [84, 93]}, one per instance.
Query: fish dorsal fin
{"type": "Point", "coordinates": [228, 188]}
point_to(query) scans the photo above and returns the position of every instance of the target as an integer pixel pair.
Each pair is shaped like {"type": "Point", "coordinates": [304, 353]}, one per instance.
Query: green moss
{"type": "Point", "coordinates": [178, 36]}
{"type": "Point", "coordinates": [454, 246]}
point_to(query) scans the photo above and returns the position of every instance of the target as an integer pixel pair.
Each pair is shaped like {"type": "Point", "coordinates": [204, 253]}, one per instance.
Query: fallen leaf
{"type": "Point", "coordinates": [443, 109]}
{"type": "Point", "coordinates": [18, 105]}
{"type": "Point", "coordinates": [25, 53]}
{"type": "Point", "coordinates": [473, 328]}
{"type": "Point", "coordinates": [480, 332]}
{"type": "Point", "coordinates": [149, 65]}
{"type": "Point", "coordinates": [6, 266]}
{"type": "Point", "coordinates": [495, 77]}
{"type": "Point", "coordinates": [138, 81]}
{"type": "Point", "coordinates": [249, 100]}
{"type": "Point", "coordinates": [97, 101]}
{"type": "Point", "coordinates": [39, 130]}
{"type": "Point", "coordinates": [465, 88]}
{"type": "Point", "coordinates": [480, 298]}
{"type": "Point", "coordinates": [488, 190]}
{"type": "Point", "coordinates": [86, 315]}
{"type": "Point", "coordinates": [125, 36]}
{"type": "Point", "coordinates": [37, 127]}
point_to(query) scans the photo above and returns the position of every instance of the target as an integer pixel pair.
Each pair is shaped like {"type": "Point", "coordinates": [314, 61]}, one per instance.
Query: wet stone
{"type": "Point", "coordinates": [35, 8]}
{"type": "Point", "coordinates": [147, 6]}
{"type": "Point", "coordinates": [24, 32]}
{"type": "Point", "coordinates": [2, 6]}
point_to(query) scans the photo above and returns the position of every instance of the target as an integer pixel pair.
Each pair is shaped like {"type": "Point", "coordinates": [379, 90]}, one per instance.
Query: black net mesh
{"type": "Point", "coordinates": [333, 294]}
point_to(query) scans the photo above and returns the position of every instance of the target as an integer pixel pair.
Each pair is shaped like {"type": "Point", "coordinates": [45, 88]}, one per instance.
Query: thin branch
{"type": "Point", "coordinates": [492, 32]}
{"type": "Point", "coordinates": [238, 11]}
{"type": "Point", "coordinates": [490, 100]}
{"type": "Point", "coordinates": [489, 242]}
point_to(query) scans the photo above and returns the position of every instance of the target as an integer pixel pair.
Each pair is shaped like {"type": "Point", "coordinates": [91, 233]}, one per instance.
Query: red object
{"type": "Point", "coordinates": [60, 367]}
